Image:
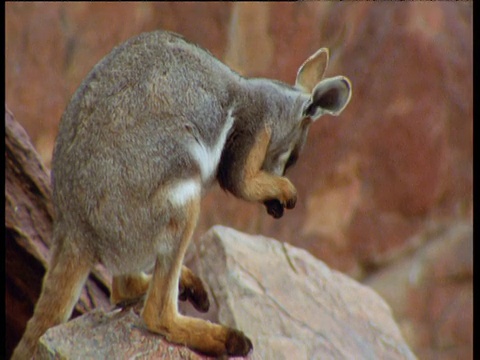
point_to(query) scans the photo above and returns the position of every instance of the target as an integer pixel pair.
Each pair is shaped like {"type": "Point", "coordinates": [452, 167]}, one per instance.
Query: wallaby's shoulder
{"type": "Point", "coordinates": [163, 49]}
{"type": "Point", "coordinates": [159, 69]}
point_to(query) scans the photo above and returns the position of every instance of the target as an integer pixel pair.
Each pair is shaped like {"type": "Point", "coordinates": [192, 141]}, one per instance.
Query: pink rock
{"type": "Point", "coordinates": [290, 304]}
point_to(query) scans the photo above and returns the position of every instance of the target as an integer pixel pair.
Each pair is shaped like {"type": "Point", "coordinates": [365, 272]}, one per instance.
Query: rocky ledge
{"type": "Point", "coordinates": [290, 304]}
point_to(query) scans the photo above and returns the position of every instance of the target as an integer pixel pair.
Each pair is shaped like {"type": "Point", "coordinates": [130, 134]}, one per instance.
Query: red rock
{"type": "Point", "coordinates": [431, 293]}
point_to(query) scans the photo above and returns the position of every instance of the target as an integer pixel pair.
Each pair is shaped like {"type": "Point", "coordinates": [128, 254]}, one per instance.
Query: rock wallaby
{"type": "Point", "coordinates": [150, 129]}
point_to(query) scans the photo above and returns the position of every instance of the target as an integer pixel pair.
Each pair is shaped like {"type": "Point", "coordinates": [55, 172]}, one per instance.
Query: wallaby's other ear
{"type": "Point", "coordinates": [312, 71]}
{"type": "Point", "coordinates": [330, 96]}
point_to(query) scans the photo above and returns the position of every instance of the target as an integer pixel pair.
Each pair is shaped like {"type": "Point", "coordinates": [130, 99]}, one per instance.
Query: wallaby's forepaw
{"type": "Point", "coordinates": [275, 207]}
{"type": "Point", "coordinates": [237, 343]}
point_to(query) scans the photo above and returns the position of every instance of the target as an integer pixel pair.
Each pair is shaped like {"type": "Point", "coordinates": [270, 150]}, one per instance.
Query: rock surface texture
{"type": "Point", "coordinates": [431, 293]}
{"type": "Point", "coordinates": [291, 305]}
{"type": "Point", "coordinates": [115, 335]}
{"type": "Point", "coordinates": [370, 183]}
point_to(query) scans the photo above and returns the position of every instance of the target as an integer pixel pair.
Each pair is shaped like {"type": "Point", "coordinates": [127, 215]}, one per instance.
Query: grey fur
{"type": "Point", "coordinates": [129, 131]}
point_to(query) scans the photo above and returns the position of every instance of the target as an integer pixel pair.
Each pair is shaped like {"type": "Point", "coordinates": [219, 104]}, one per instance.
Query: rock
{"type": "Point", "coordinates": [408, 149]}
{"type": "Point", "coordinates": [431, 293]}
{"type": "Point", "coordinates": [118, 334]}
{"type": "Point", "coordinates": [292, 305]}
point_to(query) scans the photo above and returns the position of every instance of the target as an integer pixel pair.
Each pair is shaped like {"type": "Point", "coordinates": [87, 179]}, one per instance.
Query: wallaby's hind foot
{"type": "Point", "coordinates": [237, 343]}
{"type": "Point", "coordinates": [191, 288]}
{"type": "Point", "coordinates": [199, 335]}
{"type": "Point", "coordinates": [129, 289]}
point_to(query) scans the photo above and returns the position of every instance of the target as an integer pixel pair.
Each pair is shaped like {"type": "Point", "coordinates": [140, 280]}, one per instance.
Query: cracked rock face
{"type": "Point", "coordinates": [290, 304]}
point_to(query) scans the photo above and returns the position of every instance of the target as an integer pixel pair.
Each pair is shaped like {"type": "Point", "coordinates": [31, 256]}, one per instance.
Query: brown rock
{"type": "Point", "coordinates": [401, 129]}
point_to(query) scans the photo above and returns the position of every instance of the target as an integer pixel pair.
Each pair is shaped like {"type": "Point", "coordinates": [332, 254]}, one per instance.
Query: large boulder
{"type": "Point", "coordinates": [291, 305]}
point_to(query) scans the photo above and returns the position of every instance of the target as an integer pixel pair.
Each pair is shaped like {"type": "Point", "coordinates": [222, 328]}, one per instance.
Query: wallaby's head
{"type": "Point", "coordinates": [313, 97]}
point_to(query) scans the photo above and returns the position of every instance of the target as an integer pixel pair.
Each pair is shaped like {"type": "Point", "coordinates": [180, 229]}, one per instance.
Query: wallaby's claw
{"type": "Point", "coordinates": [238, 344]}
{"type": "Point", "coordinates": [275, 207]}
{"type": "Point", "coordinates": [291, 202]}
{"type": "Point", "coordinates": [197, 296]}
{"type": "Point", "coordinates": [193, 290]}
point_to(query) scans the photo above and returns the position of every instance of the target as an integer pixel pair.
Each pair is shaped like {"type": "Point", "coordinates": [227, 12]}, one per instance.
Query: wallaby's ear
{"type": "Point", "coordinates": [312, 71]}
{"type": "Point", "coordinates": [330, 96]}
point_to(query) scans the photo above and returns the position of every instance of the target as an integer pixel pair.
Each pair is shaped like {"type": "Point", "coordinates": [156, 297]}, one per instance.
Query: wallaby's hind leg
{"type": "Point", "coordinates": [130, 288]}
{"type": "Point", "coordinates": [61, 289]}
{"type": "Point", "coordinates": [191, 288]}
{"type": "Point", "coordinates": [160, 312]}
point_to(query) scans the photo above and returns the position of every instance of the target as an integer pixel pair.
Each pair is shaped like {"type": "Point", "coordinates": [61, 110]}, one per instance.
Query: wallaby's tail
{"type": "Point", "coordinates": [61, 289]}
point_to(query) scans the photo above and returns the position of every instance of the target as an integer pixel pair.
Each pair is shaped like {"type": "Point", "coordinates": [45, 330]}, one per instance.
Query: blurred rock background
{"type": "Point", "coordinates": [385, 190]}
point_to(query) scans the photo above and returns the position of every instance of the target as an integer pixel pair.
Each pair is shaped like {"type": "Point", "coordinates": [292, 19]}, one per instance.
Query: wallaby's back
{"type": "Point", "coordinates": [129, 131]}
